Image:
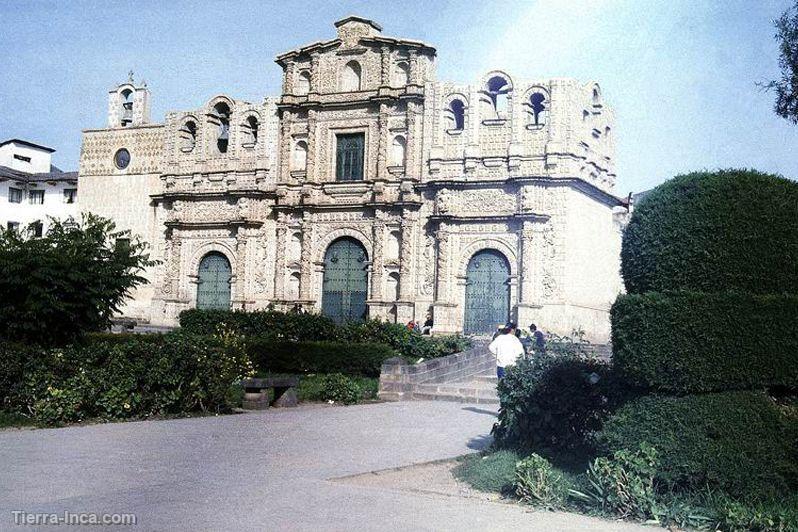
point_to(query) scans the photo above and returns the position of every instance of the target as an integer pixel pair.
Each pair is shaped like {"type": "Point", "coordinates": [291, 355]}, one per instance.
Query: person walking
{"type": "Point", "coordinates": [507, 348]}
{"type": "Point", "coordinates": [539, 339]}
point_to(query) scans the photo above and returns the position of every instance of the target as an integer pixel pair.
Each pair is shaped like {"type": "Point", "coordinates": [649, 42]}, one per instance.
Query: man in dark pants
{"type": "Point", "coordinates": [539, 340]}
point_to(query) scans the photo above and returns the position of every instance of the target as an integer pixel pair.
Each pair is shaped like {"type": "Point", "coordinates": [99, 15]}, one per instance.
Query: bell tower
{"type": "Point", "coordinates": [129, 104]}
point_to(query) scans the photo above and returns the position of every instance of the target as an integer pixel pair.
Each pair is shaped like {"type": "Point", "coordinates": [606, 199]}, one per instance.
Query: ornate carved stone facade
{"type": "Point", "coordinates": [524, 168]}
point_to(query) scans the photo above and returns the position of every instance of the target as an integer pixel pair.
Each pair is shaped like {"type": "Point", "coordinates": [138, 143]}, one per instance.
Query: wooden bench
{"type": "Point", "coordinates": [256, 392]}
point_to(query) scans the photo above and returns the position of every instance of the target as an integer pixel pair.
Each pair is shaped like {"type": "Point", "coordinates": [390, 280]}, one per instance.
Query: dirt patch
{"type": "Point", "coordinates": [431, 477]}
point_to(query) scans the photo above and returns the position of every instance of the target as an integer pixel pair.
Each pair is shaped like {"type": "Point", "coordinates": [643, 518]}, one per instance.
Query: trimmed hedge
{"type": "Point", "coordinates": [697, 342]}
{"type": "Point", "coordinates": [285, 326]}
{"type": "Point", "coordinates": [127, 377]}
{"type": "Point", "coordinates": [281, 327]}
{"type": "Point", "coordinates": [364, 359]}
{"type": "Point", "coordinates": [739, 442]}
{"type": "Point", "coordinates": [730, 230]}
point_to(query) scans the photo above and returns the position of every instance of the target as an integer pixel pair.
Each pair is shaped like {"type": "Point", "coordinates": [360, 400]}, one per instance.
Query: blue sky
{"type": "Point", "coordinates": [680, 74]}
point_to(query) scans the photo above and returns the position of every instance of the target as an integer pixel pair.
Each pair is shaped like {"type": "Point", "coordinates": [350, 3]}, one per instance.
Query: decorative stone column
{"type": "Point", "coordinates": [377, 259]}
{"type": "Point", "coordinates": [285, 145]}
{"type": "Point", "coordinates": [382, 146]}
{"type": "Point", "coordinates": [442, 281]}
{"type": "Point", "coordinates": [306, 281]}
{"type": "Point", "coordinates": [407, 280]}
{"type": "Point", "coordinates": [414, 70]}
{"type": "Point", "coordinates": [385, 66]}
{"type": "Point", "coordinates": [279, 259]}
{"type": "Point", "coordinates": [444, 309]}
{"type": "Point", "coordinates": [315, 75]}
{"type": "Point", "coordinates": [413, 119]}
{"type": "Point", "coordinates": [530, 272]}
{"type": "Point", "coordinates": [242, 289]}
{"type": "Point", "coordinates": [288, 81]}
{"type": "Point", "coordinates": [310, 163]}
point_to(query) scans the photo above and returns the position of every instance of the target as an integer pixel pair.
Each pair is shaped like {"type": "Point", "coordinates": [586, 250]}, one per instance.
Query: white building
{"type": "Point", "coordinates": [31, 188]}
{"type": "Point", "coordinates": [371, 188]}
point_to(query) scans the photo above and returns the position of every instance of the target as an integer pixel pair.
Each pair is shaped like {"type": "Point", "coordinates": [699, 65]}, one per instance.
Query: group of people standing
{"type": "Point", "coordinates": [508, 345]}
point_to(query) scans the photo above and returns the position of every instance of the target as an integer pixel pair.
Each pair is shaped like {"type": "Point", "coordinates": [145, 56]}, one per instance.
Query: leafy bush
{"type": "Point", "coordinates": [551, 405]}
{"type": "Point", "coordinates": [730, 230]}
{"type": "Point", "coordinates": [623, 485]}
{"type": "Point", "coordinates": [739, 442]}
{"type": "Point", "coordinates": [314, 387]}
{"type": "Point", "coordinates": [283, 327]}
{"type": "Point", "coordinates": [490, 472]}
{"type": "Point", "coordinates": [131, 378]}
{"type": "Point", "coordinates": [735, 516]}
{"type": "Point", "coordinates": [538, 482]}
{"type": "Point", "coordinates": [72, 280]}
{"type": "Point", "coordinates": [340, 389]}
{"type": "Point", "coordinates": [697, 342]}
{"type": "Point", "coordinates": [317, 357]}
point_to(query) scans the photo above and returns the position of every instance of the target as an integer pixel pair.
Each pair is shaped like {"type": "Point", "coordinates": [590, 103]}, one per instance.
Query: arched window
{"type": "Point", "coordinates": [455, 115]}
{"type": "Point", "coordinates": [127, 107]}
{"type": "Point", "coordinates": [538, 110]}
{"type": "Point", "coordinates": [299, 159]}
{"type": "Point", "coordinates": [221, 116]}
{"type": "Point", "coordinates": [303, 83]}
{"type": "Point", "coordinates": [498, 92]}
{"type": "Point", "coordinates": [398, 149]}
{"type": "Point", "coordinates": [401, 74]}
{"type": "Point", "coordinates": [250, 132]}
{"type": "Point", "coordinates": [188, 136]}
{"type": "Point", "coordinates": [351, 77]}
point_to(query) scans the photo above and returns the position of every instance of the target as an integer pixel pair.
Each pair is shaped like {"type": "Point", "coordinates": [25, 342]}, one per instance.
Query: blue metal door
{"type": "Point", "coordinates": [345, 286]}
{"type": "Point", "coordinates": [213, 288]}
{"type": "Point", "coordinates": [487, 296]}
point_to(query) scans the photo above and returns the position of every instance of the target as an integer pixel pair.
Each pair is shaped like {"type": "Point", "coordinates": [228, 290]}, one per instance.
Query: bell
{"type": "Point", "coordinates": [224, 132]}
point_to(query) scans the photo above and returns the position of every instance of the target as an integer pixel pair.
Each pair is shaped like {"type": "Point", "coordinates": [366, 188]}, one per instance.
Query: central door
{"type": "Point", "coordinates": [345, 286]}
{"type": "Point", "coordinates": [213, 286]}
{"type": "Point", "coordinates": [487, 295]}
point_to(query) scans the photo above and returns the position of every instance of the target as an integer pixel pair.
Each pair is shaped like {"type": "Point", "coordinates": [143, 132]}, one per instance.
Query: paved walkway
{"type": "Point", "coordinates": [261, 471]}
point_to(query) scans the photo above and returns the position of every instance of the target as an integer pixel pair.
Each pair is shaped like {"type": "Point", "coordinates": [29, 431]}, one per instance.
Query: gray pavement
{"type": "Point", "coordinates": [269, 470]}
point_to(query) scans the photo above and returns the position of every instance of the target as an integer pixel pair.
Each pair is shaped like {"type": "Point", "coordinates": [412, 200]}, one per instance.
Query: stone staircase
{"type": "Point", "coordinates": [467, 377]}
{"type": "Point", "coordinates": [480, 389]}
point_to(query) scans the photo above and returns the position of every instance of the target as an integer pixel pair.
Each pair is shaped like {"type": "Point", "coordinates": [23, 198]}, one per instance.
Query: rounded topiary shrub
{"type": "Point", "coordinates": [739, 442]}
{"type": "Point", "coordinates": [730, 230]}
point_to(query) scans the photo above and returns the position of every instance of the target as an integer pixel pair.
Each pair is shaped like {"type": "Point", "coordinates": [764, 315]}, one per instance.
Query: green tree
{"type": "Point", "coordinates": [786, 88]}
{"type": "Point", "coordinates": [71, 281]}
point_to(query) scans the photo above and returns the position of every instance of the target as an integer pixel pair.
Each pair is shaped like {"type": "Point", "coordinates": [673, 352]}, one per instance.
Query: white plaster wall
{"type": "Point", "coordinates": [39, 159]}
{"type": "Point", "coordinates": [24, 213]}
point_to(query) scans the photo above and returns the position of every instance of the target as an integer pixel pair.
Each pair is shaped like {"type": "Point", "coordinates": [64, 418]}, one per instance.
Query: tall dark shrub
{"type": "Point", "coordinates": [730, 230]}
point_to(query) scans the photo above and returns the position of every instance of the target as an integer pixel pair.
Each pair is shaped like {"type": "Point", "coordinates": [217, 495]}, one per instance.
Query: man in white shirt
{"type": "Point", "coordinates": [507, 348]}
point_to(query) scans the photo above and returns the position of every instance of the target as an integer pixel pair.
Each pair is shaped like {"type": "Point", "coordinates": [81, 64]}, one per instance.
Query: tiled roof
{"type": "Point", "coordinates": [26, 143]}
{"type": "Point", "coordinates": [54, 175]}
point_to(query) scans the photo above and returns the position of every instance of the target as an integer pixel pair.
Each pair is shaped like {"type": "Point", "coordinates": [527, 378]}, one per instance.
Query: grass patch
{"type": "Point", "coordinates": [8, 419]}
{"type": "Point", "coordinates": [488, 472]}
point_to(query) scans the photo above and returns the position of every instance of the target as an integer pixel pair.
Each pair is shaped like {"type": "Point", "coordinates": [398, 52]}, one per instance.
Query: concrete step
{"type": "Point", "coordinates": [422, 396]}
{"type": "Point", "coordinates": [464, 392]}
{"type": "Point", "coordinates": [490, 379]}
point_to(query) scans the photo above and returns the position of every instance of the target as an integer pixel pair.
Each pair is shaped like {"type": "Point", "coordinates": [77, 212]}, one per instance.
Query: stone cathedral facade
{"type": "Point", "coordinates": [368, 188]}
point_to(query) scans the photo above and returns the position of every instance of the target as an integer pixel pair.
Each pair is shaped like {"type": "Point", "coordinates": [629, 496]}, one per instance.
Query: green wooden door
{"type": "Point", "coordinates": [487, 297]}
{"type": "Point", "coordinates": [345, 286]}
{"type": "Point", "coordinates": [213, 288]}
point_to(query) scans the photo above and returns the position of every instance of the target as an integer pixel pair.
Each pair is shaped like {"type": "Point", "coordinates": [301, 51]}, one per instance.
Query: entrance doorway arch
{"type": "Point", "coordinates": [487, 293]}
{"type": "Point", "coordinates": [213, 286]}
{"type": "Point", "coordinates": [345, 286]}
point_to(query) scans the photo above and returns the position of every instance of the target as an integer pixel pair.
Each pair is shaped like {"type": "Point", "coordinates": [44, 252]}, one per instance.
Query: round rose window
{"type": "Point", "coordinates": [122, 159]}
